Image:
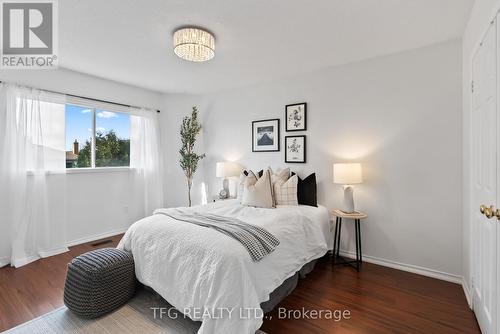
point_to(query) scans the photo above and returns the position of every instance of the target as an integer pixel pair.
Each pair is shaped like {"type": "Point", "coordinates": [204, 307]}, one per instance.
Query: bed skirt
{"type": "Point", "coordinates": [281, 292]}
{"type": "Point", "coordinates": [286, 287]}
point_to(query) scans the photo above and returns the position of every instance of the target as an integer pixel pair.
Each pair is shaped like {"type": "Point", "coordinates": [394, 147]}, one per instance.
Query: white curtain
{"type": "Point", "coordinates": [32, 211]}
{"type": "Point", "coordinates": [145, 160]}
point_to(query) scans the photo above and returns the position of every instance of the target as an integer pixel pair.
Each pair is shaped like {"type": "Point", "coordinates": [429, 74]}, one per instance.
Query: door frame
{"type": "Point", "coordinates": [471, 195]}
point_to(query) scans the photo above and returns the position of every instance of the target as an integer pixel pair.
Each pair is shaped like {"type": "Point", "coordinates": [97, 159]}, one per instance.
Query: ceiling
{"type": "Point", "coordinates": [256, 40]}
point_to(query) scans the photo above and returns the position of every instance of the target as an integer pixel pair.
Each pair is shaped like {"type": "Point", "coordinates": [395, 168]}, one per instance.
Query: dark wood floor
{"type": "Point", "coordinates": [37, 288]}
{"type": "Point", "coordinates": [379, 299]}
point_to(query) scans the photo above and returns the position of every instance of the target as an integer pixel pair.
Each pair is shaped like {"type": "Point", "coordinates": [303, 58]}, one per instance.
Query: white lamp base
{"type": "Point", "coordinates": [348, 205]}
{"type": "Point", "coordinates": [224, 193]}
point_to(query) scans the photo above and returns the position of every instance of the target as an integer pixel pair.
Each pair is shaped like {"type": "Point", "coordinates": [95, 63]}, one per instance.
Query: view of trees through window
{"type": "Point", "coordinates": [111, 137]}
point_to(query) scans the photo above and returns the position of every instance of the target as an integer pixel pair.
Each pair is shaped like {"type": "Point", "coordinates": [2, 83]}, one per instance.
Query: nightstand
{"type": "Point", "coordinates": [356, 217]}
{"type": "Point", "coordinates": [216, 199]}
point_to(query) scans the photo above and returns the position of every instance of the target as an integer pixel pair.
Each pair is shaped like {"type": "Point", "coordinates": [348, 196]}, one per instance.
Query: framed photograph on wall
{"type": "Point", "coordinates": [266, 135]}
{"type": "Point", "coordinates": [295, 149]}
{"type": "Point", "coordinates": [296, 117]}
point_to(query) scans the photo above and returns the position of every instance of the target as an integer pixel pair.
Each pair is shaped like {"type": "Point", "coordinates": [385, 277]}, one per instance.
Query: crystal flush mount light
{"type": "Point", "coordinates": [194, 44]}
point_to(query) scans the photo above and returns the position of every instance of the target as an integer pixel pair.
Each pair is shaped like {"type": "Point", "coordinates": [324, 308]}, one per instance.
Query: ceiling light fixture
{"type": "Point", "coordinates": [194, 44]}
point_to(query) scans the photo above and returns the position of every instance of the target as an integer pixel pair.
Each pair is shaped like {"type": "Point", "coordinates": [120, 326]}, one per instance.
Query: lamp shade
{"type": "Point", "coordinates": [227, 169]}
{"type": "Point", "coordinates": [347, 173]}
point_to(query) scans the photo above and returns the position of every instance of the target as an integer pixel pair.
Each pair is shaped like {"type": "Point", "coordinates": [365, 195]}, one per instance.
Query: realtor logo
{"type": "Point", "coordinates": [29, 31]}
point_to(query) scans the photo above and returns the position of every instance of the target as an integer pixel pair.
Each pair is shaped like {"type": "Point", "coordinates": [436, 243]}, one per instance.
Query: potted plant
{"type": "Point", "coordinates": [190, 129]}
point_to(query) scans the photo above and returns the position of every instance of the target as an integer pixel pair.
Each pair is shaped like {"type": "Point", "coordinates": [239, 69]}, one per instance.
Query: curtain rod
{"type": "Point", "coordinates": [88, 98]}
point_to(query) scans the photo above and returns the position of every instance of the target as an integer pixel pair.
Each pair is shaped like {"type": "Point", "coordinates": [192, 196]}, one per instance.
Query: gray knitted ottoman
{"type": "Point", "coordinates": [99, 282]}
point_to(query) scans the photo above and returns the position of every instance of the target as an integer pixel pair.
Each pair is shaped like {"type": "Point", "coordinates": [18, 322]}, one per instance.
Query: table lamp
{"type": "Point", "coordinates": [226, 170]}
{"type": "Point", "coordinates": [347, 174]}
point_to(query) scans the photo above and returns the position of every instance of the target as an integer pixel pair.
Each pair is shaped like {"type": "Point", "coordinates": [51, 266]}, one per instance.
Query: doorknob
{"type": "Point", "coordinates": [490, 212]}
{"type": "Point", "coordinates": [497, 214]}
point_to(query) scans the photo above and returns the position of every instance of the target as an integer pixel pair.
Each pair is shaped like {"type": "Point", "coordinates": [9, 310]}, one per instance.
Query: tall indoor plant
{"type": "Point", "coordinates": [190, 129]}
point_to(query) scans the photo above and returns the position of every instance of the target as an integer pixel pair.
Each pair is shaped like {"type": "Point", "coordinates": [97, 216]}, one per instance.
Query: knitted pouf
{"type": "Point", "coordinates": [99, 282]}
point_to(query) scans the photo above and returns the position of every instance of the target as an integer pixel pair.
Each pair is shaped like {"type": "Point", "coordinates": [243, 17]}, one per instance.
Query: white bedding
{"type": "Point", "coordinates": [206, 274]}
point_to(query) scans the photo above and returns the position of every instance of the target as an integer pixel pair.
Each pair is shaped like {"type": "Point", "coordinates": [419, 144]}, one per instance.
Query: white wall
{"type": "Point", "coordinates": [71, 82]}
{"type": "Point", "coordinates": [399, 115]}
{"type": "Point", "coordinates": [97, 203]}
{"type": "Point", "coordinates": [482, 14]}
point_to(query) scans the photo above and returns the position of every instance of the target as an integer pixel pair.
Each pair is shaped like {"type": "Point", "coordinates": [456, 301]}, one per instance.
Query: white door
{"type": "Point", "coordinates": [496, 228]}
{"type": "Point", "coordinates": [484, 180]}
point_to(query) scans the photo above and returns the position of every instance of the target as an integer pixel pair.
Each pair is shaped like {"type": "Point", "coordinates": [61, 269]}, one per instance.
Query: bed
{"type": "Point", "coordinates": [210, 277]}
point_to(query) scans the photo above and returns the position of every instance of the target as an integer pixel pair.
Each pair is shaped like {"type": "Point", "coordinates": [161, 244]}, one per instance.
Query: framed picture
{"type": "Point", "coordinates": [266, 135]}
{"type": "Point", "coordinates": [296, 116]}
{"type": "Point", "coordinates": [295, 149]}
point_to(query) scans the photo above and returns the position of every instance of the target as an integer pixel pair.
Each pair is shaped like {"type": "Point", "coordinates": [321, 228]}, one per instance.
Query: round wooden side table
{"type": "Point", "coordinates": [356, 216]}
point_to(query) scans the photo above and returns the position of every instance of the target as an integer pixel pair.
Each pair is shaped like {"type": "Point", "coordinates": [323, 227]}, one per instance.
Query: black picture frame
{"type": "Point", "coordinates": [304, 155]}
{"type": "Point", "coordinates": [278, 138]}
{"type": "Point", "coordinates": [287, 108]}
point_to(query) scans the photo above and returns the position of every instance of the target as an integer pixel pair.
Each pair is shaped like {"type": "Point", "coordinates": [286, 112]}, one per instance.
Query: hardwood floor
{"type": "Point", "coordinates": [379, 299]}
{"type": "Point", "coordinates": [37, 288]}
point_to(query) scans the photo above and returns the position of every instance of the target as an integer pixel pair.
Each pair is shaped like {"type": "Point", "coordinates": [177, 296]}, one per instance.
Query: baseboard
{"type": "Point", "coordinates": [24, 261]}
{"type": "Point", "coordinates": [41, 254]}
{"type": "Point", "coordinates": [5, 260]}
{"type": "Point", "coordinates": [53, 252]}
{"type": "Point", "coordinates": [467, 293]}
{"type": "Point", "coordinates": [407, 267]}
{"type": "Point", "coordinates": [96, 237]}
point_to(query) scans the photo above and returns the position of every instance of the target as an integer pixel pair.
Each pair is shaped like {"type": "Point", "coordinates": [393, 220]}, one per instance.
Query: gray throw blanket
{"type": "Point", "coordinates": [255, 239]}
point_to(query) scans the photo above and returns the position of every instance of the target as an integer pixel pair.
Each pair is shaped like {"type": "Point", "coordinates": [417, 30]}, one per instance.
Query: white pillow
{"type": "Point", "coordinates": [285, 192]}
{"type": "Point", "coordinates": [258, 192]}
{"type": "Point", "coordinates": [241, 185]}
{"type": "Point", "coordinates": [280, 174]}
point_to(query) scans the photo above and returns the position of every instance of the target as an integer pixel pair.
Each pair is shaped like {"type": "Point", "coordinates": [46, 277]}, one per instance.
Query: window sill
{"type": "Point", "coordinates": [85, 171]}
{"type": "Point", "coordinates": [98, 170]}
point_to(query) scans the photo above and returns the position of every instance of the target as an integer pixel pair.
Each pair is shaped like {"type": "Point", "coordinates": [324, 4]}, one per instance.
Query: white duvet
{"type": "Point", "coordinates": [209, 276]}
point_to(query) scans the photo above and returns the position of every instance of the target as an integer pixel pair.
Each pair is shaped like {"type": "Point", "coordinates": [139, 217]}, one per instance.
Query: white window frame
{"type": "Point", "coordinates": [93, 106]}
{"type": "Point", "coordinates": [92, 144]}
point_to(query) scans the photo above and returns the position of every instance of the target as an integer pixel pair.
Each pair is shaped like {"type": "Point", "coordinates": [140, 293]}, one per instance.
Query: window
{"type": "Point", "coordinates": [96, 137]}
{"type": "Point", "coordinates": [78, 135]}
